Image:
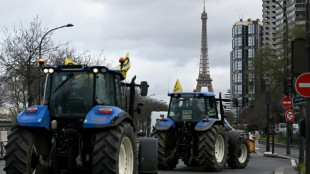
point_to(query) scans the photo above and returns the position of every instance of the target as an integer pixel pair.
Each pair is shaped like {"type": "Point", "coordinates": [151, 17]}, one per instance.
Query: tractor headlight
{"type": "Point", "coordinates": [48, 70]}
{"type": "Point", "coordinates": [95, 70]}
{"type": "Point", "coordinates": [103, 70]}
{"type": "Point", "coordinates": [51, 70]}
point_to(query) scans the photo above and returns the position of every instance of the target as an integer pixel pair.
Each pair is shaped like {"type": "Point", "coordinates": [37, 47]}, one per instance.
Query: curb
{"type": "Point", "coordinates": [283, 169]}
{"type": "Point", "coordinates": [286, 169]}
{"type": "Point", "coordinates": [275, 155]}
{"type": "Point", "coordinates": [280, 144]}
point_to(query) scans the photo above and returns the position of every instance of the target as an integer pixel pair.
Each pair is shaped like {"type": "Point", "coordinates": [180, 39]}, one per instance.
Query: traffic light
{"type": "Point", "coordinates": [288, 86]}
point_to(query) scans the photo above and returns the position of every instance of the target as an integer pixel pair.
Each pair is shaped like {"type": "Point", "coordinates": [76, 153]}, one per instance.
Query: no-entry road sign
{"type": "Point", "coordinates": [287, 102]}
{"type": "Point", "coordinates": [302, 85]}
{"type": "Point", "coordinates": [289, 115]}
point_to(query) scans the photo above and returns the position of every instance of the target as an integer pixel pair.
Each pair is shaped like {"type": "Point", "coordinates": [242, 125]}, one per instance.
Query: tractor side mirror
{"type": "Point", "coordinates": [144, 87]}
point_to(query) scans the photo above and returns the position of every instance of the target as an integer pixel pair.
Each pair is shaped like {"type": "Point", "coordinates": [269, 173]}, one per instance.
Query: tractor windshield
{"type": "Point", "coordinates": [71, 93]}
{"type": "Point", "coordinates": [191, 108]}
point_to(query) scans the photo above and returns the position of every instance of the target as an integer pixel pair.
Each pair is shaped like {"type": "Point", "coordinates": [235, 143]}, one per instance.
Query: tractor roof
{"type": "Point", "coordinates": [205, 94]}
{"type": "Point", "coordinates": [68, 68]}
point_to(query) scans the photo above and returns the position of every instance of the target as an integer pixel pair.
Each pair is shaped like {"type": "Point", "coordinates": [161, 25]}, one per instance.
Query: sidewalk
{"type": "Point", "coordinates": [290, 169]}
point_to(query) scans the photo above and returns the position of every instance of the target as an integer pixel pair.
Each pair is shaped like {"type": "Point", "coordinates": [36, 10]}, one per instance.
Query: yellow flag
{"type": "Point", "coordinates": [69, 61]}
{"type": "Point", "coordinates": [177, 87]}
{"type": "Point", "coordinates": [125, 67]}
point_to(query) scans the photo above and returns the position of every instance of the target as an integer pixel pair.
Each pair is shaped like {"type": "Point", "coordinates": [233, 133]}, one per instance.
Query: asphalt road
{"type": "Point", "coordinates": [257, 165]}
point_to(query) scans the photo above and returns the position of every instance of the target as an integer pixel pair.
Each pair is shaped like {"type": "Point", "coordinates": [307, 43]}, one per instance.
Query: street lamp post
{"type": "Point", "coordinates": [41, 61]}
{"type": "Point", "coordinates": [286, 35]}
{"type": "Point", "coordinates": [288, 149]}
{"type": "Point", "coordinates": [68, 25]}
{"type": "Point", "coordinates": [267, 102]}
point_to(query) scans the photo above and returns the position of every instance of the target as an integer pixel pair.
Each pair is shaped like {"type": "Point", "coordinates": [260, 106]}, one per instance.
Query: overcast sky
{"type": "Point", "coordinates": [163, 37]}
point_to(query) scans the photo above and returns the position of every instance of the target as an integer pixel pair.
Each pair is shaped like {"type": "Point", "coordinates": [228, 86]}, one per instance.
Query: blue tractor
{"type": "Point", "coordinates": [195, 132]}
{"type": "Point", "coordinates": [83, 126]}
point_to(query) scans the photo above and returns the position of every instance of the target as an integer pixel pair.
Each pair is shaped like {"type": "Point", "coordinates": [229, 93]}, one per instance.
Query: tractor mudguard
{"type": "Point", "coordinates": [233, 137]}
{"type": "Point", "coordinates": [164, 124]}
{"type": "Point", "coordinates": [35, 116]}
{"type": "Point", "coordinates": [148, 155]}
{"type": "Point", "coordinates": [105, 116]}
{"type": "Point", "coordinates": [206, 124]}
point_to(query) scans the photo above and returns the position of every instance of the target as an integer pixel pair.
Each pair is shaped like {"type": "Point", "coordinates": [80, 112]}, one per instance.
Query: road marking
{"type": "Point", "coordinates": [293, 163]}
{"type": "Point", "coordinates": [304, 85]}
{"type": "Point", "coordinates": [279, 170]}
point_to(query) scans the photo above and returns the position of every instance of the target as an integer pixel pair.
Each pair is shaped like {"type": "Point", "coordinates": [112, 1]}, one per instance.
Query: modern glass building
{"type": "Point", "coordinates": [246, 39]}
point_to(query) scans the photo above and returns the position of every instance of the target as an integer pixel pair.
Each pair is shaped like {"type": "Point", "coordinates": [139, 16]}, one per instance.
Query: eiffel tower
{"type": "Point", "coordinates": [204, 78]}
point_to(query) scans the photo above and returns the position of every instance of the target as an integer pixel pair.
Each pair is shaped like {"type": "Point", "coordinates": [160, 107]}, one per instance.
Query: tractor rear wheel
{"type": "Point", "coordinates": [239, 155]}
{"type": "Point", "coordinates": [115, 150]}
{"type": "Point", "coordinates": [167, 158]}
{"type": "Point", "coordinates": [213, 148]}
{"type": "Point", "coordinates": [23, 152]}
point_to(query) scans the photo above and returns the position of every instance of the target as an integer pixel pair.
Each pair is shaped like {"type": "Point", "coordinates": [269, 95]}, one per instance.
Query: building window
{"type": "Point", "coordinates": [251, 41]}
{"type": "Point", "coordinates": [237, 66]}
{"type": "Point", "coordinates": [251, 53]}
{"type": "Point", "coordinates": [300, 9]}
{"type": "Point", "coordinates": [250, 64]}
{"type": "Point", "coordinates": [239, 29]}
{"type": "Point", "coordinates": [239, 77]}
{"type": "Point", "coordinates": [300, 22]}
{"type": "Point", "coordinates": [251, 29]}
{"type": "Point", "coordinates": [239, 89]}
{"type": "Point", "coordinates": [239, 54]}
{"type": "Point", "coordinates": [239, 41]}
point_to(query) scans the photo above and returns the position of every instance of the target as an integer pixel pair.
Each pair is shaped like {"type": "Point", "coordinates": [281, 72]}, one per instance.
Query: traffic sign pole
{"type": "Point", "coordinates": [287, 103]}
{"type": "Point", "coordinates": [307, 124]}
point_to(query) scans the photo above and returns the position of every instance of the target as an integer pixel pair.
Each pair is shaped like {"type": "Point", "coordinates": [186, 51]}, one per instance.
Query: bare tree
{"type": "Point", "coordinates": [19, 54]}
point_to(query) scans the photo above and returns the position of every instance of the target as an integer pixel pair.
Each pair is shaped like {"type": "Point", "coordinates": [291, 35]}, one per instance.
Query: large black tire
{"type": "Point", "coordinates": [239, 155]}
{"type": "Point", "coordinates": [115, 150]}
{"type": "Point", "coordinates": [23, 151]}
{"type": "Point", "coordinates": [167, 158]}
{"type": "Point", "coordinates": [213, 148]}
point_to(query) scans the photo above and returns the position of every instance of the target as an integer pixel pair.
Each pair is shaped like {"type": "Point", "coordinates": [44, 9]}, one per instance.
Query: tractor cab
{"type": "Point", "coordinates": [73, 90]}
{"type": "Point", "coordinates": [192, 107]}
